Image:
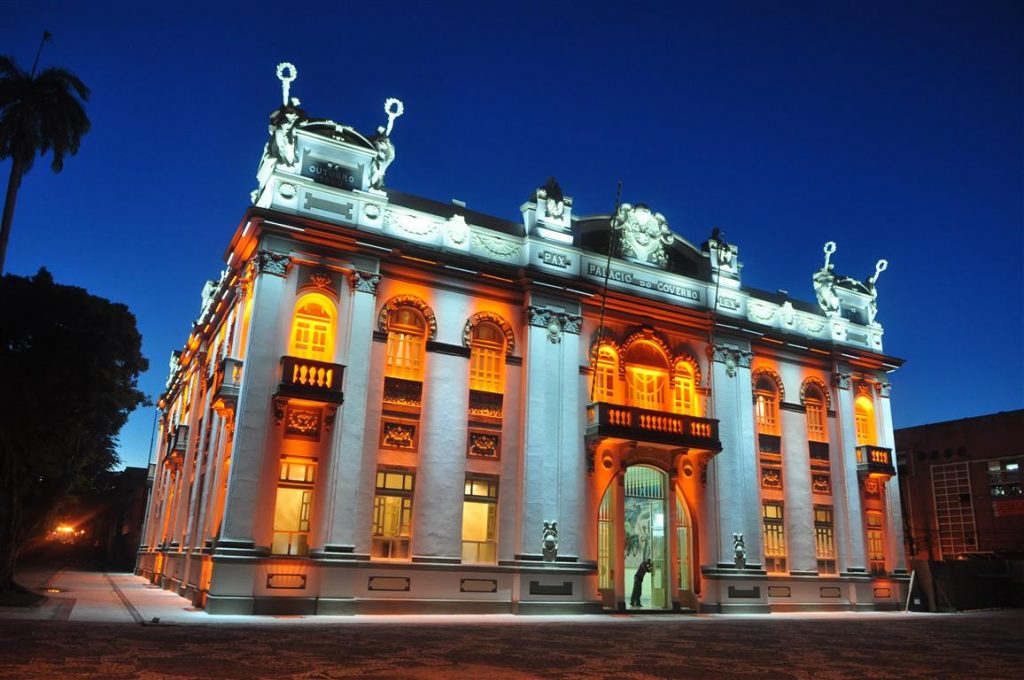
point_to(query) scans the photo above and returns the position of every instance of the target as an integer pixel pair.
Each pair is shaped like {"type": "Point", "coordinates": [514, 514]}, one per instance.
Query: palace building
{"type": "Point", "coordinates": [395, 404]}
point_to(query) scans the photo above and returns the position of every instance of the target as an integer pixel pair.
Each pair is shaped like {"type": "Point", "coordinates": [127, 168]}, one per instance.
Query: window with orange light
{"type": "Point", "coordinates": [683, 400]}
{"type": "Point", "coordinates": [824, 539]}
{"type": "Point", "coordinates": [814, 407]}
{"type": "Point", "coordinates": [313, 329]}
{"type": "Point", "coordinates": [407, 331]}
{"type": "Point", "coordinates": [876, 544]}
{"type": "Point", "coordinates": [646, 376]}
{"type": "Point", "coordinates": [605, 375]}
{"type": "Point", "coordinates": [766, 406]}
{"type": "Point", "coordinates": [487, 358]}
{"type": "Point", "coordinates": [774, 538]}
{"type": "Point", "coordinates": [292, 507]}
{"type": "Point", "coordinates": [864, 420]}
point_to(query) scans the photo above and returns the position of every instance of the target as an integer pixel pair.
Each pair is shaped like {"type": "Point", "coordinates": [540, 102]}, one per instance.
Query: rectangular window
{"type": "Point", "coordinates": [646, 388]}
{"type": "Point", "coordinates": [292, 507]}
{"type": "Point", "coordinates": [1004, 478]}
{"type": "Point", "coordinates": [774, 538]}
{"type": "Point", "coordinates": [765, 412]}
{"type": "Point", "coordinates": [862, 427]}
{"type": "Point", "coordinates": [815, 421]}
{"type": "Point", "coordinates": [824, 539]}
{"type": "Point", "coordinates": [876, 546]}
{"type": "Point", "coordinates": [404, 355]}
{"type": "Point", "coordinates": [682, 395]}
{"type": "Point", "coordinates": [604, 379]}
{"type": "Point", "coordinates": [392, 514]}
{"type": "Point", "coordinates": [486, 368]}
{"type": "Point", "coordinates": [480, 520]}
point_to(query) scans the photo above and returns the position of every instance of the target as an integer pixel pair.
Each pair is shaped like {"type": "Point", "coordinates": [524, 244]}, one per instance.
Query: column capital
{"type": "Point", "coordinates": [842, 380]}
{"type": "Point", "coordinates": [364, 282]}
{"type": "Point", "coordinates": [732, 357]}
{"type": "Point", "coordinates": [555, 322]}
{"type": "Point", "coordinates": [884, 389]}
{"type": "Point", "coordinates": [267, 262]}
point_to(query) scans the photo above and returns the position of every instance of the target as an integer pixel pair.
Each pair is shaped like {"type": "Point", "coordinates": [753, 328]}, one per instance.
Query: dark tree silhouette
{"type": "Point", "coordinates": [38, 113]}
{"type": "Point", "coordinates": [70, 363]}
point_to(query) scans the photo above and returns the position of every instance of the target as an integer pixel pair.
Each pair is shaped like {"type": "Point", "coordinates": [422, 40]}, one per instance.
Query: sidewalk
{"type": "Point", "coordinates": [129, 599]}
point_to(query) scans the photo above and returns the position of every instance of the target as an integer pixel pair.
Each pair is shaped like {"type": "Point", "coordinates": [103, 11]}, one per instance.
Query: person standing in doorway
{"type": "Point", "coordinates": [638, 582]}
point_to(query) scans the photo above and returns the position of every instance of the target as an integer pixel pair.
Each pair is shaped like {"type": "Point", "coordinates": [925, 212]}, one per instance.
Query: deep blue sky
{"type": "Point", "coordinates": [894, 129]}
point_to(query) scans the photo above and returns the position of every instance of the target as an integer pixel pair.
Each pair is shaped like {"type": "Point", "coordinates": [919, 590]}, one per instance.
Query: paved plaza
{"type": "Point", "coordinates": [102, 626]}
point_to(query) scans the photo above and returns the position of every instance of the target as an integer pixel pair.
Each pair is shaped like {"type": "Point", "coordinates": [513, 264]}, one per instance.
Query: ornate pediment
{"type": "Point", "coordinates": [642, 235]}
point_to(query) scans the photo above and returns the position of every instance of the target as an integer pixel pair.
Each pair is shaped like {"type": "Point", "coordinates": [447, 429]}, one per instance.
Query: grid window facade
{"type": "Point", "coordinates": [954, 511]}
{"type": "Point", "coordinates": [774, 538]}
{"type": "Point", "coordinates": [392, 514]}
{"type": "Point", "coordinates": [480, 520]}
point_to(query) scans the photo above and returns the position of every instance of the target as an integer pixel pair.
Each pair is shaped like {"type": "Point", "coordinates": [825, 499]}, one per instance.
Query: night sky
{"type": "Point", "coordinates": [895, 131]}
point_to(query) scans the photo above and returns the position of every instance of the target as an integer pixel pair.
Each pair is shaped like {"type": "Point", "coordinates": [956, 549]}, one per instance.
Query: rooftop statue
{"type": "Point", "coordinates": [880, 267]}
{"type": "Point", "coordinates": [554, 199]}
{"type": "Point", "coordinates": [280, 147]}
{"type": "Point", "coordinates": [825, 284]}
{"type": "Point", "coordinates": [382, 144]}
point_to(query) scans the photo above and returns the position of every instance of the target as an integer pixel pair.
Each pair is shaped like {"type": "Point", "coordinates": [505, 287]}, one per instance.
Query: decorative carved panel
{"type": "Point", "coordinates": [821, 483]}
{"type": "Point", "coordinates": [771, 477]}
{"type": "Point", "coordinates": [303, 423]}
{"type": "Point", "coordinates": [398, 435]}
{"type": "Point", "coordinates": [484, 444]}
{"type": "Point", "coordinates": [403, 392]}
{"type": "Point", "coordinates": [485, 403]}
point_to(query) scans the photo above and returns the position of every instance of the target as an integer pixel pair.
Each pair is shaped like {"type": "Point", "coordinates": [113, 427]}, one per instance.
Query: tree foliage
{"type": "Point", "coordinates": [70, 363]}
{"type": "Point", "coordinates": [39, 113]}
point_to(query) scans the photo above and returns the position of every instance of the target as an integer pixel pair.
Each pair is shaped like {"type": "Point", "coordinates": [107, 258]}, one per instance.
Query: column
{"type": "Point", "coordinates": [733, 485]}
{"type": "Point", "coordinates": [345, 465]}
{"type": "Point", "coordinates": [259, 377]}
{"type": "Point", "coordinates": [553, 471]}
{"type": "Point", "coordinates": [849, 515]}
{"type": "Point", "coordinates": [893, 507]}
{"type": "Point", "coordinates": [796, 484]}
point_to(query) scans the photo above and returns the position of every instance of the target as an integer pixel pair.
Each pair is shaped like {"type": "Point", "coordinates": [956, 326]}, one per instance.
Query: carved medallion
{"type": "Point", "coordinates": [642, 235]}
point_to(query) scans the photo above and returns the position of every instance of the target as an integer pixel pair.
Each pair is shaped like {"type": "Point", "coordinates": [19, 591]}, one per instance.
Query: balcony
{"type": "Point", "coordinates": [652, 427]}
{"type": "Point", "coordinates": [874, 461]}
{"type": "Point", "coordinates": [227, 380]}
{"type": "Point", "coordinates": [313, 380]}
{"type": "Point", "coordinates": [179, 440]}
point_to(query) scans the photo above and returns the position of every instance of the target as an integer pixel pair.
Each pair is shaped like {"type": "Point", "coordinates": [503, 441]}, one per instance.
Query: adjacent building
{"type": "Point", "coordinates": [391, 403]}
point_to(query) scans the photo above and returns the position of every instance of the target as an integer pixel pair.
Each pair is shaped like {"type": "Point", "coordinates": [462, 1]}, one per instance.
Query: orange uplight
{"type": "Point", "coordinates": [64, 529]}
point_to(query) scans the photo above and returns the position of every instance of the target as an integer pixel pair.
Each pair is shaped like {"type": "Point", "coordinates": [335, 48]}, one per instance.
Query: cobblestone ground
{"type": "Point", "coordinates": [970, 645]}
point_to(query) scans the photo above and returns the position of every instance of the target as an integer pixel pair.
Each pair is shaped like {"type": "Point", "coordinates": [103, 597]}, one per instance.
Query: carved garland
{"type": "Point", "coordinates": [407, 301]}
{"type": "Point", "coordinates": [497, 320]}
{"type": "Point", "coordinates": [820, 384]}
{"type": "Point", "coordinates": [771, 373]}
{"type": "Point", "coordinates": [648, 335]}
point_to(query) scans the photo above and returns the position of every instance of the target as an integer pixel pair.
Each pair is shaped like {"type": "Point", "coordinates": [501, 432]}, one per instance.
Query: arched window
{"type": "Point", "coordinates": [683, 393]}
{"type": "Point", "coordinates": [766, 405]}
{"type": "Point", "coordinates": [407, 332]}
{"type": "Point", "coordinates": [606, 374]}
{"type": "Point", "coordinates": [814, 405]}
{"type": "Point", "coordinates": [864, 420]}
{"type": "Point", "coordinates": [646, 376]}
{"type": "Point", "coordinates": [487, 358]}
{"type": "Point", "coordinates": [313, 328]}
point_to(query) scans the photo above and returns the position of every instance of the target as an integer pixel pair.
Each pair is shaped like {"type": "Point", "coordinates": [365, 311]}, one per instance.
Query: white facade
{"type": "Point", "coordinates": [393, 404]}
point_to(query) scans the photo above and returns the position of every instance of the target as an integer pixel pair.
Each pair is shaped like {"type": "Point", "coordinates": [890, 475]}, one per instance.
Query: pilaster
{"type": "Point", "coordinates": [799, 508]}
{"type": "Point", "coordinates": [259, 376]}
{"type": "Point", "coordinates": [893, 508]}
{"type": "Point", "coordinates": [849, 515]}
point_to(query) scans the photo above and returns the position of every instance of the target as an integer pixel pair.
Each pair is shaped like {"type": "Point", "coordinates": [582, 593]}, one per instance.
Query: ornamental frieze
{"type": "Point", "coordinates": [267, 262]}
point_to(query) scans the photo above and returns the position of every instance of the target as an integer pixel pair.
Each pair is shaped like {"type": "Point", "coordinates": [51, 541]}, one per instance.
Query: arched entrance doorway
{"type": "Point", "coordinates": [643, 542]}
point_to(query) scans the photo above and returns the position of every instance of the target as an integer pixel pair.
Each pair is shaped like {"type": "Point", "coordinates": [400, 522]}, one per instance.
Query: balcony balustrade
{"type": "Point", "coordinates": [654, 427]}
{"type": "Point", "coordinates": [874, 460]}
{"type": "Point", "coordinates": [309, 379]}
{"type": "Point", "coordinates": [179, 441]}
{"type": "Point", "coordinates": [227, 380]}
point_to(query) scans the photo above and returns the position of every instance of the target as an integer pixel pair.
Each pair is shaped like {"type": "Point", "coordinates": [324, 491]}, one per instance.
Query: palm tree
{"type": "Point", "coordinates": [38, 113]}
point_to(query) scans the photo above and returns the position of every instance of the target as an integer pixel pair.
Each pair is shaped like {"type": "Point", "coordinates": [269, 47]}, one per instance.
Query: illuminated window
{"type": "Point", "coordinates": [480, 520]}
{"type": "Point", "coordinates": [292, 507]}
{"type": "Point", "coordinates": [774, 538]}
{"type": "Point", "coordinates": [392, 514]}
{"type": "Point", "coordinates": [406, 341]}
{"type": "Point", "coordinates": [814, 405]}
{"type": "Point", "coordinates": [876, 546]}
{"type": "Point", "coordinates": [683, 400]}
{"type": "Point", "coordinates": [766, 406]}
{"type": "Point", "coordinates": [683, 543]}
{"type": "Point", "coordinates": [605, 375]}
{"type": "Point", "coordinates": [313, 328]}
{"type": "Point", "coordinates": [864, 420]}
{"type": "Point", "coordinates": [824, 539]}
{"type": "Point", "coordinates": [1004, 478]}
{"type": "Point", "coordinates": [605, 542]}
{"type": "Point", "coordinates": [487, 358]}
{"type": "Point", "coordinates": [646, 376]}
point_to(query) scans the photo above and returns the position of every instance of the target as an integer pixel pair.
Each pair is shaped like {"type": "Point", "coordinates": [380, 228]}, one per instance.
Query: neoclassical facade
{"type": "Point", "coordinates": [394, 404]}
